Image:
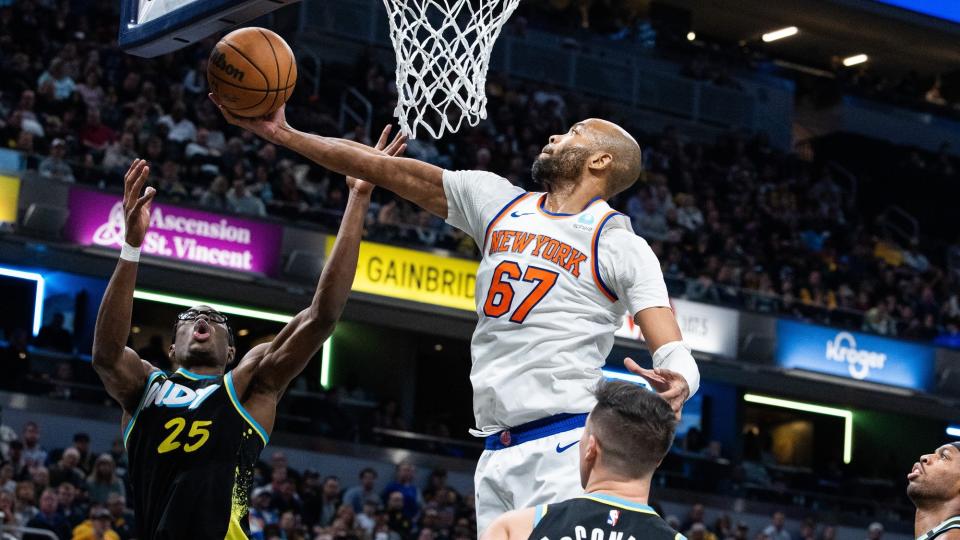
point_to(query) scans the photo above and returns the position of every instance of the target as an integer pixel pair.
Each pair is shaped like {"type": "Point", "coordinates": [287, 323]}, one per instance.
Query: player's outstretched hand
{"type": "Point", "coordinates": [136, 208]}
{"type": "Point", "coordinates": [396, 148]}
{"type": "Point", "coordinates": [267, 127]}
{"type": "Point", "coordinates": [670, 385]}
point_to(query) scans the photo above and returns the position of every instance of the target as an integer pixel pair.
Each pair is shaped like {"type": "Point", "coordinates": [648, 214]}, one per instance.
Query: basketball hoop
{"type": "Point", "coordinates": [443, 51]}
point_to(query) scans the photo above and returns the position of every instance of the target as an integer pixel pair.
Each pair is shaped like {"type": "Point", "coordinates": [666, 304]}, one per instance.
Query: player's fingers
{"type": "Point", "coordinates": [647, 374]}
{"type": "Point", "coordinates": [129, 180]}
{"type": "Point", "coordinates": [139, 182]}
{"type": "Point", "coordinates": [147, 197]}
{"type": "Point", "coordinates": [673, 393]}
{"type": "Point", "coordinates": [384, 137]}
{"type": "Point", "coordinates": [399, 141]}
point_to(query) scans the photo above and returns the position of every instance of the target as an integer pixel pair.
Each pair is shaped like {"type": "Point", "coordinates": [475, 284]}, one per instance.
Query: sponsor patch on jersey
{"type": "Point", "coordinates": [171, 394]}
{"type": "Point", "coordinates": [613, 518]}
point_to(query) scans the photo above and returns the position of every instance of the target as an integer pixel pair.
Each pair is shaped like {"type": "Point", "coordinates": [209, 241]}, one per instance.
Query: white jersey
{"type": "Point", "coordinates": [551, 291]}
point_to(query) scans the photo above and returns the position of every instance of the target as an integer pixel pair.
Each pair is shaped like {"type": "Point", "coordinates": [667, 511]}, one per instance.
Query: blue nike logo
{"type": "Point", "coordinates": [562, 449]}
{"type": "Point", "coordinates": [515, 214]}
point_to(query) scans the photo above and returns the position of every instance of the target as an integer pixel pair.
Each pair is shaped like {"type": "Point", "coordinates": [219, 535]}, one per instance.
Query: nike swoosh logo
{"type": "Point", "coordinates": [562, 449]}
{"type": "Point", "coordinates": [516, 215]}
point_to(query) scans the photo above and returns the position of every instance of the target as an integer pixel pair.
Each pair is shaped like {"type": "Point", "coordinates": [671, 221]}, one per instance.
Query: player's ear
{"type": "Point", "coordinates": [600, 161]}
{"type": "Point", "coordinates": [172, 353]}
{"type": "Point", "coordinates": [231, 353]}
{"type": "Point", "coordinates": [592, 451]}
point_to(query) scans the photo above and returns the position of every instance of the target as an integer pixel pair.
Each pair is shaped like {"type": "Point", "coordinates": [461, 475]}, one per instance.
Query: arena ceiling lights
{"type": "Point", "coordinates": [855, 59]}
{"type": "Point", "coordinates": [780, 34]}
{"type": "Point", "coordinates": [953, 431]}
{"type": "Point", "coordinates": [847, 416]}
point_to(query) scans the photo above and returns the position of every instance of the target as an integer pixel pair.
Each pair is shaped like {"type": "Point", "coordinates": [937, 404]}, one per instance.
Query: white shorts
{"type": "Point", "coordinates": [537, 463]}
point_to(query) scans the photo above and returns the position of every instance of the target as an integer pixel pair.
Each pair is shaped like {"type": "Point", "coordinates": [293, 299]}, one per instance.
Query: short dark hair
{"type": "Point", "coordinates": [633, 426]}
{"type": "Point", "coordinates": [368, 470]}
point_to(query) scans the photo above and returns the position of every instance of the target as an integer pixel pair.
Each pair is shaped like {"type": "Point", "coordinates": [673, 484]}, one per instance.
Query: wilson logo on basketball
{"type": "Point", "coordinates": [220, 61]}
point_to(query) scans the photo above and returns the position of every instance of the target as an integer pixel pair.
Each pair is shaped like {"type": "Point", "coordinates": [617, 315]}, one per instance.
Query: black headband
{"type": "Point", "coordinates": [956, 445]}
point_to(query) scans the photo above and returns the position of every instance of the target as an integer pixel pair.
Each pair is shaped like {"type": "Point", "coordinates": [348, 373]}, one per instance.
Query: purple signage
{"type": "Point", "coordinates": [96, 219]}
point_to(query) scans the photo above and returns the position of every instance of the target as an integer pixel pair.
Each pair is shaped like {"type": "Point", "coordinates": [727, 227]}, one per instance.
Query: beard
{"type": "Point", "coordinates": [558, 169]}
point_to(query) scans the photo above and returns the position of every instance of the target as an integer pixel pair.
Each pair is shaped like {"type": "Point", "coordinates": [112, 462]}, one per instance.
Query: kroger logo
{"type": "Point", "coordinates": [843, 348]}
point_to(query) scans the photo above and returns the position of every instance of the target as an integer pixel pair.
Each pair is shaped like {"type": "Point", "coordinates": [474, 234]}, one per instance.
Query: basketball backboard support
{"type": "Point", "coordinates": [150, 28]}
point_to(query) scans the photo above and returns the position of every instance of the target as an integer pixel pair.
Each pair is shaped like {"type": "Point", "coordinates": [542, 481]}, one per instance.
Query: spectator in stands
{"type": "Point", "coordinates": [215, 197]}
{"type": "Point", "coordinates": [94, 135]}
{"type": "Point", "coordinates": [68, 505]}
{"type": "Point", "coordinates": [829, 532]}
{"type": "Point", "coordinates": [397, 517]}
{"type": "Point", "coordinates": [120, 154]}
{"type": "Point", "coordinates": [696, 514]}
{"type": "Point", "coordinates": [278, 460]}
{"type": "Point", "coordinates": [55, 82]}
{"type": "Point", "coordinates": [81, 441]}
{"type": "Point", "coordinates": [404, 484]}
{"type": "Point", "coordinates": [90, 89]}
{"type": "Point", "coordinates": [261, 515]}
{"type": "Point", "coordinates": [26, 498]}
{"type": "Point", "coordinates": [7, 436]}
{"type": "Point", "coordinates": [286, 498]}
{"type": "Point", "coordinates": [97, 527]}
{"type": "Point", "coordinates": [875, 531]}
{"type": "Point", "coordinates": [34, 455]}
{"type": "Point", "coordinates": [40, 476]}
{"type": "Point", "coordinates": [329, 500]}
{"type": "Point", "coordinates": [48, 517]}
{"type": "Point", "coordinates": [54, 336]}
{"type": "Point", "coordinates": [366, 519]}
{"type": "Point", "coordinates": [169, 184]}
{"type": "Point", "coordinates": [17, 461]}
{"type": "Point", "coordinates": [8, 514]}
{"type": "Point", "coordinates": [241, 201]}
{"type": "Point", "coordinates": [777, 530]}
{"type": "Point", "coordinates": [290, 527]}
{"type": "Point", "coordinates": [7, 482]}
{"type": "Point", "coordinates": [104, 480]}
{"type": "Point", "coordinates": [54, 167]}
{"type": "Point", "coordinates": [365, 492]}
{"type": "Point", "coordinates": [195, 81]}
{"type": "Point", "coordinates": [182, 130]}
{"type": "Point", "coordinates": [67, 469]}
{"type": "Point", "coordinates": [61, 382]}
{"type": "Point", "coordinates": [121, 517]}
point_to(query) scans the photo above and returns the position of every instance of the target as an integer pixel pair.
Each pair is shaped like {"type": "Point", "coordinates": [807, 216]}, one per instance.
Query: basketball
{"type": "Point", "coordinates": [252, 71]}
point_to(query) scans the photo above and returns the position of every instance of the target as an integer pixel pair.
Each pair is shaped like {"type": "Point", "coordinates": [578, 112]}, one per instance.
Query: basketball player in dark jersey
{"type": "Point", "coordinates": [194, 435]}
{"type": "Point", "coordinates": [627, 435]}
{"type": "Point", "coordinates": [934, 487]}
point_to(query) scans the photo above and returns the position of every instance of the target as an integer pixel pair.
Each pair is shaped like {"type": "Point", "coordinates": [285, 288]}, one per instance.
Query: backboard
{"type": "Point", "coordinates": [150, 28]}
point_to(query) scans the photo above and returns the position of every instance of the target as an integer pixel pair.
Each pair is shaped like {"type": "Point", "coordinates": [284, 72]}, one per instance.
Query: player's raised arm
{"type": "Point", "coordinates": [630, 267]}
{"type": "Point", "coordinates": [120, 368]}
{"type": "Point", "coordinates": [263, 375]}
{"type": "Point", "coordinates": [416, 181]}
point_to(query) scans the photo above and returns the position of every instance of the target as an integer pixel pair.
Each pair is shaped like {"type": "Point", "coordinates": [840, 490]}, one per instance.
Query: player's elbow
{"type": "Point", "coordinates": [320, 322]}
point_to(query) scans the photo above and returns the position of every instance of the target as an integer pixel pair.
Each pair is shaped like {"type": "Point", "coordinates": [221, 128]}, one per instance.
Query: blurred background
{"type": "Point", "coordinates": [800, 186]}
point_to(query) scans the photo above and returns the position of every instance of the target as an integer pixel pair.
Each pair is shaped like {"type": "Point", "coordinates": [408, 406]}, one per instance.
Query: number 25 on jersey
{"type": "Point", "coordinates": [500, 298]}
{"type": "Point", "coordinates": [198, 432]}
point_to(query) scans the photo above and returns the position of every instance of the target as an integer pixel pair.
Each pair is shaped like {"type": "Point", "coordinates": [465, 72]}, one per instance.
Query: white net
{"type": "Point", "coordinates": [443, 51]}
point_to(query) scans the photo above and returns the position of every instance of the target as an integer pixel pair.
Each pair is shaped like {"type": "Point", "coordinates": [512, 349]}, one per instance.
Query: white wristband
{"type": "Point", "coordinates": [130, 253]}
{"type": "Point", "coordinates": [676, 356]}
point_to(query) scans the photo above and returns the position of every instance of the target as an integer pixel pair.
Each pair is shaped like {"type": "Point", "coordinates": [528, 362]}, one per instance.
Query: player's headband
{"type": "Point", "coordinates": [956, 445]}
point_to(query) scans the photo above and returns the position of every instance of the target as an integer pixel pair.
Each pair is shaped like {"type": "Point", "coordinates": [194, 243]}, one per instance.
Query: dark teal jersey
{"type": "Point", "coordinates": [192, 450]}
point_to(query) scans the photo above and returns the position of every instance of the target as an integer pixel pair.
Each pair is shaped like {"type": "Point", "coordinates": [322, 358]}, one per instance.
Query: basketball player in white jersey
{"type": "Point", "coordinates": [559, 268]}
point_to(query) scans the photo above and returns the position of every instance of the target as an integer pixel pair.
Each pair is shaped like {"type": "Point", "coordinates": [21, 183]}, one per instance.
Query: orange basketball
{"type": "Point", "coordinates": [252, 71]}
